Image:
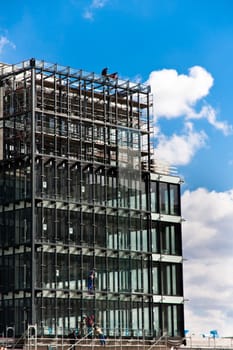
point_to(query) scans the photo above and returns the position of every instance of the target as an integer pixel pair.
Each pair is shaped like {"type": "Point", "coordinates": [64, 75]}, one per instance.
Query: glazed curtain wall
{"type": "Point", "coordinates": [56, 178]}
{"type": "Point", "coordinates": [132, 318]}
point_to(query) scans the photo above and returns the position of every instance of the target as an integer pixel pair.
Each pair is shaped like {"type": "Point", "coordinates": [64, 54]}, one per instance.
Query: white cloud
{"type": "Point", "coordinates": [98, 3]}
{"type": "Point", "coordinates": [210, 115]}
{"type": "Point", "coordinates": [4, 41]}
{"type": "Point", "coordinates": [182, 96]}
{"type": "Point", "coordinates": [95, 4]}
{"type": "Point", "coordinates": [88, 14]}
{"type": "Point", "coordinates": [179, 149]}
{"type": "Point", "coordinates": [208, 245]}
{"type": "Point", "coordinates": [175, 94]}
{"type": "Point", "coordinates": [179, 95]}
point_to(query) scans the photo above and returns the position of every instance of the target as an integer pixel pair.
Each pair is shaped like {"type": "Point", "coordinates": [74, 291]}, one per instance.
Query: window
{"type": "Point", "coordinates": [154, 202]}
{"type": "Point", "coordinates": [174, 200]}
{"type": "Point", "coordinates": [171, 279]}
{"type": "Point", "coordinates": [155, 279]}
{"type": "Point", "coordinates": [154, 238]}
{"type": "Point", "coordinates": [111, 189]}
{"type": "Point", "coordinates": [169, 195]}
{"type": "Point", "coordinates": [22, 271]}
{"type": "Point", "coordinates": [88, 185]}
{"type": "Point", "coordinates": [170, 238]}
{"type": "Point", "coordinates": [163, 198]}
{"type": "Point", "coordinates": [172, 320]}
{"type": "Point", "coordinates": [100, 187]}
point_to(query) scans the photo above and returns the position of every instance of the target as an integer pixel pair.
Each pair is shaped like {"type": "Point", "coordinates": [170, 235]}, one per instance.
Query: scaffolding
{"type": "Point", "coordinates": [76, 105]}
{"type": "Point", "coordinates": [75, 201]}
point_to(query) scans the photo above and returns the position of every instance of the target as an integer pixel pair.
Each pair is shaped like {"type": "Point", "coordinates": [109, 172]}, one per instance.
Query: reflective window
{"type": "Point", "coordinates": [171, 279]}
{"type": "Point", "coordinates": [169, 199]}
{"type": "Point", "coordinates": [154, 237]}
{"type": "Point", "coordinates": [156, 321]}
{"type": "Point", "coordinates": [174, 199]}
{"type": "Point", "coordinates": [100, 187]}
{"type": "Point", "coordinates": [170, 237]}
{"type": "Point", "coordinates": [144, 199]}
{"type": "Point", "coordinates": [163, 198]}
{"type": "Point", "coordinates": [154, 201]}
{"type": "Point", "coordinates": [111, 189]}
{"type": "Point", "coordinates": [166, 238]}
{"type": "Point", "coordinates": [155, 279]}
{"type": "Point", "coordinates": [75, 183]}
{"type": "Point", "coordinates": [172, 319]}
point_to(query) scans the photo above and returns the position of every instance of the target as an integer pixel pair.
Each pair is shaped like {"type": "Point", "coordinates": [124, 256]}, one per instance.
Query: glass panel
{"type": "Point", "coordinates": [136, 276]}
{"type": "Point", "coordinates": [144, 241]}
{"type": "Point", "coordinates": [48, 270]}
{"type": "Point", "coordinates": [22, 271]}
{"type": "Point", "coordinates": [163, 198]}
{"type": "Point", "coordinates": [154, 207]}
{"type": "Point", "coordinates": [135, 321]}
{"type": "Point", "coordinates": [154, 238]}
{"type": "Point", "coordinates": [100, 188]}
{"type": "Point", "coordinates": [88, 185]}
{"type": "Point", "coordinates": [169, 320]}
{"type": "Point", "coordinates": [143, 196]}
{"type": "Point", "coordinates": [62, 183]}
{"type": "Point", "coordinates": [147, 327]}
{"type": "Point", "coordinates": [170, 238]}
{"type": "Point", "coordinates": [111, 322]}
{"type": "Point", "coordinates": [75, 183]}
{"type": "Point", "coordinates": [61, 271]}
{"type": "Point", "coordinates": [175, 321]}
{"type": "Point", "coordinates": [165, 239]}
{"type": "Point", "coordinates": [77, 282]}
{"type": "Point", "coordinates": [100, 230]}
{"type": "Point", "coordinates": [167, 280]}
{"type": "Point", "coordinates": [174, 200]}
{"type": "Point", "coordinates": [113, 274]}
{"type": "Point", "coordinates": [145, 277]}
{"type": "Point", "coordinates": [157, 327]}
{"type": "Point", "coordinates": [133, 239]}
{"type": "Point", "coordinates": [124, 239]}
{"type": "Point", "coordinates": [155, 279]}
{"type": "Point", "coordinates": [111, 190]}
{"type": "Point", "coordinates": [112, 236]}
{"type": "Point", "coordinates": [75, 227]}
{"type": "Point", "coordinates": [88, 228]}
{"type": "Point", "coordinates": [172, 279]}
{"type": "Point", "coordinates": [62, 226]}
{"type": "Point", "coordinates": [48, 183]}
{"type": "Point", "coordinates": [124, 275]}
{"type": "Point", "coordinates": [173, 249]}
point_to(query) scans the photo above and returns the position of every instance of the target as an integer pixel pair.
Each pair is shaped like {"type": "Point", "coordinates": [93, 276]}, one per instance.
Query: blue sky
{"type": "Point", "coordinates": [184, 49]}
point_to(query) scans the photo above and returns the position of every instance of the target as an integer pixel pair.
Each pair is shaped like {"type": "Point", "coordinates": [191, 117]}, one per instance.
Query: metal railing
{"type": "Point", "coordinates": [116, 339]}
{"type": "Point", "coordinates": [158, 341]}
{"type": "Point", "coordinates": [80, 340]}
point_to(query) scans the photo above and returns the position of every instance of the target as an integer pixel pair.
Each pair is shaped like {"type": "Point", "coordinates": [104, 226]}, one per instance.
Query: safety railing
{"type": "Point", "coordinates": [80, 340]}
{"type": "Point", "coordinates": [158, 341]}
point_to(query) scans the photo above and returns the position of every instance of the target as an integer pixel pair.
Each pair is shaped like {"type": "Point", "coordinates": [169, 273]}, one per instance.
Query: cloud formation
{"type": "Point", "coordinates": [94, 5]}
{"type": "Point", "coordinates": [183, 96]}
{"type": "Point", "coordinates": [4, 41]}
{"type": "Point", "coordinates": [180, 149]}
{"type": "Point", "coordinates": [178, 95]}
{"type": "Point", "coordinates": [208, 245]}
{"type": "Point", "coordinates": [175, 94]}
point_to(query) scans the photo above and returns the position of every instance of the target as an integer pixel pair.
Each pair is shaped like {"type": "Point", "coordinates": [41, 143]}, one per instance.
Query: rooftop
{"type": "Point", "coordinates": [73, 73]}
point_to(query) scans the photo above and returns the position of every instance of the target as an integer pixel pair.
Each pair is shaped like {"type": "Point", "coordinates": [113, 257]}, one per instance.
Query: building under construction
{"type": "Point", "coordinates": [90, 226]}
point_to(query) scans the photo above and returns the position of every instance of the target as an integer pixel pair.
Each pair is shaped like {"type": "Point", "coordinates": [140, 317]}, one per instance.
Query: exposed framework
{"type": "Point", "coordinates": [77, 201]}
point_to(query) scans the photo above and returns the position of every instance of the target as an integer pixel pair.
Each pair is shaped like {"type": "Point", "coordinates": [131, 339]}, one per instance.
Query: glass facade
{"type": "Point", "coordinates": [86, 227]}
